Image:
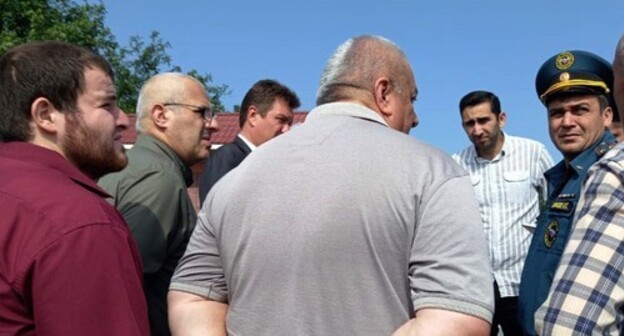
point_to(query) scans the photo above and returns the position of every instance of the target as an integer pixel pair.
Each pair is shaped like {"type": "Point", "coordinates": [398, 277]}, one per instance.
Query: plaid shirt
{"type": "Point", "coordinates": [587, 293]}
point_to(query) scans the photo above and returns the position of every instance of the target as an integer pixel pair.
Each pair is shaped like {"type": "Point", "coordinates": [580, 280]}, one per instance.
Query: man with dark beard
{"type": "Point", "coordinates": [68, 263]}
{"type": "Point", "coordinates": [174, 121]}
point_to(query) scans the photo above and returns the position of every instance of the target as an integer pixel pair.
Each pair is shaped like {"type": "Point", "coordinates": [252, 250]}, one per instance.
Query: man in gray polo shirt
{"type": "Point", "coordinates": [342, 226]}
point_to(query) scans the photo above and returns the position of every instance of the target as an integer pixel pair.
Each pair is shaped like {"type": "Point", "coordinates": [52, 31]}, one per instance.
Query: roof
{"type": "Point", "coordinates": [228, 128]}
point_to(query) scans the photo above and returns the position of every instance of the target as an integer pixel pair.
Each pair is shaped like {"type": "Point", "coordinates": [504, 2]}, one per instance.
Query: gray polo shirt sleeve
{"type": "Point", "coordinates": [449, 266]}
{"type": "Point", "coordinates": [200, 270]}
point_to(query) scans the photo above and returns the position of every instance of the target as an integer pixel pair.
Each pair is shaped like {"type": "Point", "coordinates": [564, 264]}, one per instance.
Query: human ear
{"type": "Point", "coordinates": [608, 115]}
{"type": "Point", "coordinates": [159, 116]}
{"type": "Point", "coordinates": [44, 115]}
{"type": "Point", "coordinates": [382, 90]}
{"type": "Point", "coordinates": [502, 119]}
{"type": "Point", "coordinates": [252, 115]}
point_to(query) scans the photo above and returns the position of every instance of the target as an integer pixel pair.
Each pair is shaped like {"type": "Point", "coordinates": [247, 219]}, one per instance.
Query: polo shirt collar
{"type": "Point", "coordinates": [346, 109]}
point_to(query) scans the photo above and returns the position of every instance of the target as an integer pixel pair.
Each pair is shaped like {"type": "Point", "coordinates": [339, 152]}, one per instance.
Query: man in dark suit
{"type": "Point", "coordinates": [266, 112]}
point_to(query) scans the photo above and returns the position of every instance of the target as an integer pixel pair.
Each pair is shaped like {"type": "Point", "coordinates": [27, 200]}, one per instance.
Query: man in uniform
{"type": "Point", "coordinates": [575, 87]}
{"type": "Point", "coordinates": [588, 290]}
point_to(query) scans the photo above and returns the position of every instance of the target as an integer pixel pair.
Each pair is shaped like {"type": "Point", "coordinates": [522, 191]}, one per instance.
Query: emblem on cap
{"type": "Point", "coordinates": [565, 76]}
{"type": "Point", "coordinates": [551, 233]}
{"type": "Point", "coordinates": [564, 60]}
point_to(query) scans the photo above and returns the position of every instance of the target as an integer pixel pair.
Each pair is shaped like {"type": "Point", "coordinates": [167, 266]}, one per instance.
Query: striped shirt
{"type": "Point", "coordinates": [587, 293]}
{"type": "Point", "coordinates": [510, 189]}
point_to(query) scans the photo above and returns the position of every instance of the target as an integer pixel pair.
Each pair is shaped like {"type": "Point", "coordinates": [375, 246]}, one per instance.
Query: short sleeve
{"type": "Point", "coordinates": [200, 270]}
{"type": "Point", "coordinates": [449, 266]}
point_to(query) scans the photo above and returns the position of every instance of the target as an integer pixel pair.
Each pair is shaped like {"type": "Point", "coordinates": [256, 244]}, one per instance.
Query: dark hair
{"type": "Point", "coordinates": [479, 97]}
{"type": "Point", "coordinates": [50, 69]}
{"type": "Point", "coordinates": [262, 95]}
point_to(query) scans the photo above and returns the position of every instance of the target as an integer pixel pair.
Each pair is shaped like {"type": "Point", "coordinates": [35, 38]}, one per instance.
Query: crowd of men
{"type": "Point", "coordinates": [391, 236]}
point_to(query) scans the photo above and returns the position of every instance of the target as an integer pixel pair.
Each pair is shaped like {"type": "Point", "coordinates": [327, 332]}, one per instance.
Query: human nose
{"type": "Point", "coordinates": [568, 119]}
{"type": "Point", "coordinates": [286, 128]}
{"type": "Point", "coordinates": [212, 124]}
{"type": "Point", "coordinates": [122, 120]}
{"type": "Point", "coordinates": [416, 120]}
{"type": "Point", "coordinates": [477, 130]}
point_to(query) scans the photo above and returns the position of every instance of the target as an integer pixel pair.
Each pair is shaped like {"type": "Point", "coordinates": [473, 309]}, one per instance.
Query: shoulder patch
{"type": "Point", "coordinates": [551, 233]}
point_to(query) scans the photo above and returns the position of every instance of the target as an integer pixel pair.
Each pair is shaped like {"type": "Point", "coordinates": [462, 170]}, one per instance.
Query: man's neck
{"type": "Point", "coordinates": [494, 151]}
{"type": "Point", "coordinates": [252, 146]}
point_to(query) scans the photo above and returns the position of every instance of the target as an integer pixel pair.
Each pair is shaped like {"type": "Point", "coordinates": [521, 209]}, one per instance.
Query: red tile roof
{"type": "Point", "coordinates": [228, 128]}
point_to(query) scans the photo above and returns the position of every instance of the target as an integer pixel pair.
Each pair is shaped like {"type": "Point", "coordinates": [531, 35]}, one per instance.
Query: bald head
{"type": "Point", "coordinates": [162, 88]}
{"type": "Point", "coordinates": [618, 77]}
{"type": "Point", "coordinates": [357, 63]}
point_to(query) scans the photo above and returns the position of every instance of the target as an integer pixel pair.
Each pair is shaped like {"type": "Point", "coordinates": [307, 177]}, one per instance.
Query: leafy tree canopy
{"type": "Point", "coordinates": [83, 24]}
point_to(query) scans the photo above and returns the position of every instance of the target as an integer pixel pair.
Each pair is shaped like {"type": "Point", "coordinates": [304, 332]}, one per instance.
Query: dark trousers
{"type": "Point", "coordinates": [505, 314]}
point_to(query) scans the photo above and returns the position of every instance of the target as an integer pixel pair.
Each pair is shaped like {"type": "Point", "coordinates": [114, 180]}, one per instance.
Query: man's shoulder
{"type": "Point", "coordinates": [144, 161]}
{"type": "Point", "coordinates": [531, 143]}
{"type": "Point", "coordinates": [60, 199]}
{"type": "Point", "coordinates": [614, 157]}
{"type": "Point", "coordinates": [231, 153]}
{"type": "Point", "coordinates": [465, 155]}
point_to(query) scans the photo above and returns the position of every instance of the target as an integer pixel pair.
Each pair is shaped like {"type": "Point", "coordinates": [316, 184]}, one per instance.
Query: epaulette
{"type": "Point", "coordinates": [604, 147]}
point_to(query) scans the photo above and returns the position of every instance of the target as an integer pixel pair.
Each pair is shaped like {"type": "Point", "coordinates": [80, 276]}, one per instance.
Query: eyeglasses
{"type": "Point", "coordinates": [205, 111]}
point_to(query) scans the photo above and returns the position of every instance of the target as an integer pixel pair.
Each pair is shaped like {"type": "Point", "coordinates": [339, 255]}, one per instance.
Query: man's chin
{"type": "Point", "coordinates": [116, 163]}
{"type": "Point", "coordinates": [120, 163]}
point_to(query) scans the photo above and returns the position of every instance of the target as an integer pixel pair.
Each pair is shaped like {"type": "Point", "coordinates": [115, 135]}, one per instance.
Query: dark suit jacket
{"type": "Point", "coordinates": [219, 163]}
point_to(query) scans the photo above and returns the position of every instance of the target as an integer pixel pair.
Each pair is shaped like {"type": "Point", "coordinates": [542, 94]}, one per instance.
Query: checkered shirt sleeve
{"type": "Point", "coordinates": [587, 293]}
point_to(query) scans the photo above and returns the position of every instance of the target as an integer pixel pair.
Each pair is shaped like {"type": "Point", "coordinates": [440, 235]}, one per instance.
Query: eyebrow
{"type": "Point", "coordinates": [107, 96]}
{"type": "Point", "coordinates": [573, 106]}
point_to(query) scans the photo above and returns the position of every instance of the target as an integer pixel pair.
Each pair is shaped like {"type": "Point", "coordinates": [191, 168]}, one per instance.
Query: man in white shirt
{"type": "Point", "coordinates": [507, 174]}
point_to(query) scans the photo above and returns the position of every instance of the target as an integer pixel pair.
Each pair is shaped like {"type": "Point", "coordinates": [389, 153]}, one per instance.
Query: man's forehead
{"type": "Point", "coordinates": [471, 112]}
{"type": "Point", "coordinates": [99, 82]}
{"type": "Point", "coordinates": [558, 102]}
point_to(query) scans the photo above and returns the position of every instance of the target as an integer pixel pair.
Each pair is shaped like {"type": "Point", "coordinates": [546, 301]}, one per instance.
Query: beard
{"type": "Point", "coordinates": [91, 150]}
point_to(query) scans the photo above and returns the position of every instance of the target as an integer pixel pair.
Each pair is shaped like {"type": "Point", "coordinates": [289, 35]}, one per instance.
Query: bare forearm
{"type": "Point", "coordinates": [191, 315]}
{"type": "Point", "coordinates": [433, 322]}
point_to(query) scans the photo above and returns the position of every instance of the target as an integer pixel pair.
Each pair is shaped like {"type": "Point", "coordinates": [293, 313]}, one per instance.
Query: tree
{"type": "Point", "coordinates": [83, 24]}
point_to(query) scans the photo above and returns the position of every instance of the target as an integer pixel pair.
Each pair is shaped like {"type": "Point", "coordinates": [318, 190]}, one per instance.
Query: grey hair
{"type": "Point", "coordinates": [167, 87]}
{"type": "Point", "coordinates": [355, 64]}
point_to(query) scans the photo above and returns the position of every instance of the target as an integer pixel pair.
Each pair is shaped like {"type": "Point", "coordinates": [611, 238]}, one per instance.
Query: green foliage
{"type": "Point", "coordinates": [83, 24]}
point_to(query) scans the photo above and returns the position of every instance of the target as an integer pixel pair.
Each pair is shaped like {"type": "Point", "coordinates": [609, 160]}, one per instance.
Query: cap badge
{"type": "Point", "coordinates": [564, 60]}
{"type": "Point", "coordinates": [565, 76]}
{"type": "Point", "coordinates": [551, 233]}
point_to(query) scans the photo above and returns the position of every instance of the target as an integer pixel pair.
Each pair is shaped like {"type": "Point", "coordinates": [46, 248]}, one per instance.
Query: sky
{"type": "Point", "coordinates": [454, 47]}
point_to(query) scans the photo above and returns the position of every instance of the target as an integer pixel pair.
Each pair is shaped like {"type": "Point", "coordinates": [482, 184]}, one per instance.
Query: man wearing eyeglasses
{"type": "Point", "coordinates": [266, 112]}
{"type": "Point", "coordinates": [174, 123]}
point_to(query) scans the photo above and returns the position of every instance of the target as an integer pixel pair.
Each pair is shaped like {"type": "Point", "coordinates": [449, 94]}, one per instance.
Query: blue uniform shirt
{"type": "Point", "coordinates": [553, 229]}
